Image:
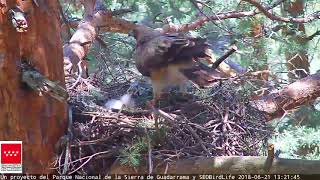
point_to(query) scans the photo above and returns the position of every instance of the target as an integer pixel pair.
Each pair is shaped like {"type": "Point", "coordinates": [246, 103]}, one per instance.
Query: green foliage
{"type": "Point", "coordinates": [298, 142]}
{"type": "Point", "coordinates": [132, 155]}
{"type": "Point", "coordinates": [73, 9]}
{"type": "Point", "coordinates": [297, 135]}
{"type": "Point", "coordinates": [92, 61]}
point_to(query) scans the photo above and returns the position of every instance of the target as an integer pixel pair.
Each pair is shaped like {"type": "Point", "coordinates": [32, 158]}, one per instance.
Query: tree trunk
{"type": "Point", "coordinates": [38, 121]}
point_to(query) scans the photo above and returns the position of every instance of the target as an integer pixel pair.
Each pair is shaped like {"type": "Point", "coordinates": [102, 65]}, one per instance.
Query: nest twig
{"type": "Point", "coordinates": [221, 123]}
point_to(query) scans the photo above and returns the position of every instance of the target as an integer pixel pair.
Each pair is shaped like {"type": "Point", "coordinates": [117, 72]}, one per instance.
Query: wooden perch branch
{"type": "Point", "coordinates": [202, 20]}
{"type": "Point", "coordinates": [226, 165]}
{"type": "Point", "coordinates": [301, 92]}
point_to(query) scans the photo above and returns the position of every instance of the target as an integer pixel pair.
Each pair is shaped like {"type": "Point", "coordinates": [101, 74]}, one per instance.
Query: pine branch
{"type": "Point", "coordinates": [265, 11]}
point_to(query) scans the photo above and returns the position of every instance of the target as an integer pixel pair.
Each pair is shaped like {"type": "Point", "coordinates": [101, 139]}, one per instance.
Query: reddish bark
{"type": "Point", "coordinates": [301, 92]}
{"type": "Point", "coordinates": [87, 30]}
{"type": "Point", "coordinates": [38, 121]}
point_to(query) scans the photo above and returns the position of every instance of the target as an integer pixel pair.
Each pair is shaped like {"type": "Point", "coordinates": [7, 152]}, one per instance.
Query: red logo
{"type": "Point", "coordinates": [11, 153]}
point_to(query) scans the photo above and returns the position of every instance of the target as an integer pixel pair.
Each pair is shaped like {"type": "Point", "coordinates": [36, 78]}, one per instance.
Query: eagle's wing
{"type": "Point", "coordinates": [158, 51]}
{"type": "Point", "coordinates": [179, 51]}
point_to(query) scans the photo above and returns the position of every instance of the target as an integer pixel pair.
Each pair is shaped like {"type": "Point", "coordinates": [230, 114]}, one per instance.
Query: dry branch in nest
{"type": "Point", "coordinates": [221, 123]}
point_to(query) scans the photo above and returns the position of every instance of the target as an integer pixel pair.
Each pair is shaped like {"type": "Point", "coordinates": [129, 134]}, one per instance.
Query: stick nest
{"type": "Point", "coordinates": [215, 122]}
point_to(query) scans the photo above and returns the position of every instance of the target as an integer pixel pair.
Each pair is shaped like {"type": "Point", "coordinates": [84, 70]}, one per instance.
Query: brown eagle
{"type": "Point", "coordinates": [173, 59]}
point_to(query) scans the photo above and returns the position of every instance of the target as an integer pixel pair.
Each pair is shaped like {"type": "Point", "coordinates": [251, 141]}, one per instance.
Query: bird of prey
{"type": "Point", "coordinates": [173, 59]}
